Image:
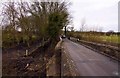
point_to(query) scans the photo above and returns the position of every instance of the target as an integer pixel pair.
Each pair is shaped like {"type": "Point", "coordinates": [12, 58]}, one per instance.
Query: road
{"type": "Point", "coordinates": [88, 62]}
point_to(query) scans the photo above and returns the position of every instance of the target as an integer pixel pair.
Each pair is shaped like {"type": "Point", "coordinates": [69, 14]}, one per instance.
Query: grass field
{"type": "Point", "coordinates": [111, 39]}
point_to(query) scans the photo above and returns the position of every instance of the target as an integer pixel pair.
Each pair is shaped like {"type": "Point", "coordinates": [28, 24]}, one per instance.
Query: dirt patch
{"type": "Point", "coordinates": [15, 63]}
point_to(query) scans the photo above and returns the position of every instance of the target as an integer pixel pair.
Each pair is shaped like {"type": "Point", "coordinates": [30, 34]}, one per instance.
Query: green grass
{"type": "Point", "coordinates": [111, 39]}
{"type": "Point", "coordinates": [102, 38]}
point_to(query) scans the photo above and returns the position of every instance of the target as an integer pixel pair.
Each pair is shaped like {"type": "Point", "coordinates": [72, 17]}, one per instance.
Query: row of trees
{"type": "Point", "coordinates": [28, 22]}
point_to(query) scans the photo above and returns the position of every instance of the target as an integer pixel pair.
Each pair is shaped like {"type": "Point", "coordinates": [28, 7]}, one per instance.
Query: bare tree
{"type": "Point", "coordinates": [43, 19]}
{"type": "Point", "coordinates": [100, 29]}
{"type": "Point", "coordinates": [82, 25]}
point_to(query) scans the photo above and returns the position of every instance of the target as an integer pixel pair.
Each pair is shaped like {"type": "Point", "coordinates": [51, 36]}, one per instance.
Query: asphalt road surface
{"type": "Point", "coordinates": [88, 62]}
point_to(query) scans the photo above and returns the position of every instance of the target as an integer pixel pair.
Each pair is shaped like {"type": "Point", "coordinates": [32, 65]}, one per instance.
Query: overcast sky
{"type": "Point", "coordinates": [98, 14]}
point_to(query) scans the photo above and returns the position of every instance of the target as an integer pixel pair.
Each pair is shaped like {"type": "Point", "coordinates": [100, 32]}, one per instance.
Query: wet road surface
{"type": "Point", "coordinates": [88, 62]}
